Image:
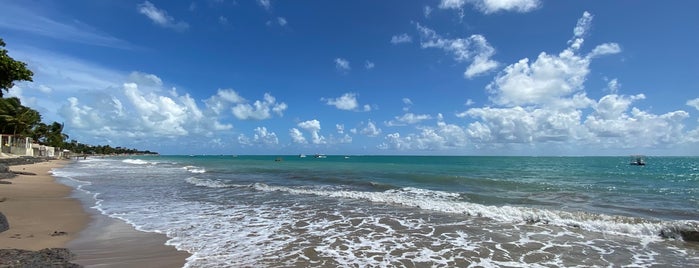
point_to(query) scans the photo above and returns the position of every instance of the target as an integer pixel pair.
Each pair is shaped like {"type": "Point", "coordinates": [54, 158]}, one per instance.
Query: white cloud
{"type": "Point", "coordinates": [282, 21]}
{"type": "Point", "coordinates": [550, 77]}
{"type": "Point", "coordinates": [340, 128]}
{"type": "Point", "coordinates": [160, 17]}
{"type": "Point", "coordinates": [544, 103]}
{"type": "Point", "coordinates": [427, 11]}
{"type": "Point", "coordinates": [694, 103]}
{"type": "Point", "coordinates": [614, 124]}
{"type": "Point", "coordinates": [370, 129]}
{"type": "Point", "coordinates": [408, 119]}
{"type": "Point", "coordinates": [259, 110]}
{"type": "Point", "coordinates": [297, 136]}
{"type": "Point", "coordinates": [605, 49]}
{"type": "Point", "coordinates": [25, 18]}
{"type": "Point", "coordinates": [401, 39]}
{"type": "Point", "coordinates": [613, 86]}
{"type": "Point", "coordinates": [144, 79]}
{"type": "Point", "coordinates": [493, 6]}
{"type": "Point", "coordinates": [440, 137]}
{"type": "Point", "coordinates": [342, 65]}
{"type": "Point", "coordinates": [313, 128]}
{"type": "Point", "coordinates": [261, 136]}
{"type": "Point", "coordinates": [347, 101]}
{"type": "Point", "coordinates": [369, 65]}
{"type": "Point", "coordinates": [220, 102]}
{"type": "Point", "coordinates": [266, 4]}
{"type": "Point", "coordinates": [474, 49]}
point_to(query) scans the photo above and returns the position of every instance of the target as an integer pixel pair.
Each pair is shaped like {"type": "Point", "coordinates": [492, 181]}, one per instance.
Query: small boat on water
{"type": "Point", "coordinates": [637, 160]}
{"type": "Point", "coordinates": [320, 156]}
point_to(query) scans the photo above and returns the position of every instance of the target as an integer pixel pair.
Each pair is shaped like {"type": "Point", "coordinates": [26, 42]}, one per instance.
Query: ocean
{"type": "Point", "coordinates": [403, 211]}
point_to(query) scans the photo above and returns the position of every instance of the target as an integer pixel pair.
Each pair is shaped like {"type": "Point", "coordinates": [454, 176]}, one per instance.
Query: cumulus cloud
{"type": "Point", "coordinates": [297, 136]}
{"type": "Point", "coordinates": [438, 137]}
{"type": "Point", "coordinates": [347, 101]}
{"type": "Point", "coordinates": [614, 123]}
{"type": "Point", "coordinates": [694, 103]}
{"type": "Point", "coordinates": [160, 17]}
{"type": "Point", "coordinates": [544, 102]}
{"type": "Point", "coordinates": [493, 6]}
{"type": "Point", "coordinates": [401, 39]}
{"type": "Point", "coordinates": [408, 119]}
{"type": "Point", "coordinates": [259, 110]}
{"type": "Point", "coordinates": [132, 112]}
{"type": "Point", "coordinates": [342, 65]}
{"type": "Point", "coordinates": [475, 50]}
{"type": "Point", "coordinates": [550, 77]}
{"type": "Point", "coordinates": [370, 129]}
{"type": "Point", "coordinates": [313, 128]}
{"type": "Point", "coordinates": [261, 137]}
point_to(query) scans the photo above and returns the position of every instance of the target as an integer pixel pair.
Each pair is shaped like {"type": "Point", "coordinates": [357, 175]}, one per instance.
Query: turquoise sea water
{"type": "Point", "coordinates": [405, 211]}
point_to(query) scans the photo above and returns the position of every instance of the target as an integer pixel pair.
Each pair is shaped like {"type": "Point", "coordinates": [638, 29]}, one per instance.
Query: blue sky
{"type": "Point", "coordinates": [449, 77]}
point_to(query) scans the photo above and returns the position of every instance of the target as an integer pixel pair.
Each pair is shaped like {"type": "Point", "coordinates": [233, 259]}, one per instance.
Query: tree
{"type": "Point", "coordinates": [17, 117]}
{"type": "Point", "coordinates": [55, 136]}
{"type": "Point", "coordinates": [11, 70]}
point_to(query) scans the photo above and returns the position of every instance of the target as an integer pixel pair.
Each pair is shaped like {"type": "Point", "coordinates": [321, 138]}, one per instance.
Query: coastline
{"type": "Point", "coordinates": [45, 213]}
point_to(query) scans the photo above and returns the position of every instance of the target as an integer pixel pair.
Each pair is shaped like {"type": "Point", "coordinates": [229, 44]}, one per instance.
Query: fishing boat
{"type": "Point", "coordinates": [637, 160]}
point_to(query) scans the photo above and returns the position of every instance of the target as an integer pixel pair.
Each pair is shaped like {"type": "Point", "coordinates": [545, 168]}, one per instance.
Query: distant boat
{"type": "Point", "coordinates": [302, 156]}
{"type": "Point", "coordinates": [637, 160]}
{"type": "Point", "coordinates": [320, 156]}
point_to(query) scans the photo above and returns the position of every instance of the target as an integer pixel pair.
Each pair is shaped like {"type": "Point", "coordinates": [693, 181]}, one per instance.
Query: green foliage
{"type": "Point", "coordinates": [11, 70]}
{"type": "Point", "coordinates": [76, 147]}
{"type": "Point", "coordinates": [16, 118]}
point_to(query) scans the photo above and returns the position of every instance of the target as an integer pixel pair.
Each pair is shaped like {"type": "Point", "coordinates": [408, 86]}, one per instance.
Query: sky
{"type": "Point", "coordinates": [433, 77]}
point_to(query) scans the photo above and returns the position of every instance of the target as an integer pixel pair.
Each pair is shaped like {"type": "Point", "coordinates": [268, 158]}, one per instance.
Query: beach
{"type": "Point", "coordinates": [43, 214]}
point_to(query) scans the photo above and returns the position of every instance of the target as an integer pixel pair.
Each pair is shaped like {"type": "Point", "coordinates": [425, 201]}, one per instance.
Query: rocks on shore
{"type": "Point", "coordinates": [4, 224]}
{"type": "Point", "coordinates": [688, 232]}
{"type": "Point", "coordinates": [48, 257]}
{"type": "Point", "coordinates": [5, 164]}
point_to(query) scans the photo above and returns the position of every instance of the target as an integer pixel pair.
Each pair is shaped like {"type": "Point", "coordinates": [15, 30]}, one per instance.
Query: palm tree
{"type": "Point", "coordinates": [55, 135]}
{"type": "Point", "coordinates": [15, 116]}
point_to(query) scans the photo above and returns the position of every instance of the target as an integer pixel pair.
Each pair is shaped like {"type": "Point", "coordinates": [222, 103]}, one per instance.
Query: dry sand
{"type": "Point", "coordinates": [36, 206]}
{"type": "Point", "coordinates": [42, 214]}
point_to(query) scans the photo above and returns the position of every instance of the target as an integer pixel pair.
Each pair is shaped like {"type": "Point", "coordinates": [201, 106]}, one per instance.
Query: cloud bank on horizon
{"type": "Point", "coordinates": [477, 77]}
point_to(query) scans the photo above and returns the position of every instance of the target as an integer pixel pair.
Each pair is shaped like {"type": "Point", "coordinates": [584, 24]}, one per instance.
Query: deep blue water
{"type": "Point", "coordinates": [408, 211]}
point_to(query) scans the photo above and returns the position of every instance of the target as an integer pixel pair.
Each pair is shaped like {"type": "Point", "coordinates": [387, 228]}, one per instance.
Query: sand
{"type": "Point", "coordinates": [42, 214]}
{"type": "Point", "coordinates": [39, 210]}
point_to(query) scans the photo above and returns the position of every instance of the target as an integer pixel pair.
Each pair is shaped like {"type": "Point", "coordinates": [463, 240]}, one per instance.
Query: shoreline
{"type": "Point", "coordinates": [44, 213]}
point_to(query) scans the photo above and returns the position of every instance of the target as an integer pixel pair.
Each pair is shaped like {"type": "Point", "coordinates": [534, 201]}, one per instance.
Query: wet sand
{"type": "Point", "coordinates": [109, 242]}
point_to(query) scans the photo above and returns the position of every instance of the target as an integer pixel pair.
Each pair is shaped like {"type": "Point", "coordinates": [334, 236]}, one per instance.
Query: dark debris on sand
{"type": "Point", "coordinates": [48, 257]}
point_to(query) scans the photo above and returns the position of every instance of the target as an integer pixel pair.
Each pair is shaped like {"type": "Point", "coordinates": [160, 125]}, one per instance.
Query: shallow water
{"type": "Point", "coordinates": [404, 210]}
